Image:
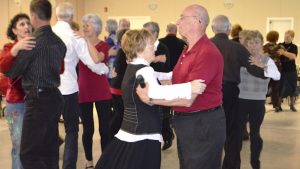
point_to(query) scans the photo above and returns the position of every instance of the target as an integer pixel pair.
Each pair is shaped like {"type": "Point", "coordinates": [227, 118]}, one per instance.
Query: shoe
{"type": "Point", "coordinates": [167, 144]}
{"type": "Point", "coordinates": [278, 109]}
{"type": "Point", "coordinates": [293, 109]}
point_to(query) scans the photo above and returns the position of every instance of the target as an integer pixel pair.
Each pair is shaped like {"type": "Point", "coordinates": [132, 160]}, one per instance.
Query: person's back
{"type": "Point", "coordinates": [232, 53]}
{"type": "Point", "coordinates": [49, 49]}
{"type": "Point", "coordinates": [174, 44]}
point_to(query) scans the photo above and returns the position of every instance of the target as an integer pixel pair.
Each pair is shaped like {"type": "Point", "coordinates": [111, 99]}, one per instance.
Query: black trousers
{"type": "Point", "coordinates": [230, 105]}
{"type": "Point", "coordinates": [167, 131]}
{"type": "Point", "coordinates": [71, 122]}
{"type": "Point", "coordinates": [254, 110]}
{"type": "Point", "coordinates": [275, 97]}
{"type": "Point", "coordinates": [200, 139]}
{"type": "Point", "coordinates": [39, 143]}
{"type": "Point", "coordinates": [117, 115]}
{"type": "Point", "coordinates": [104, 112]}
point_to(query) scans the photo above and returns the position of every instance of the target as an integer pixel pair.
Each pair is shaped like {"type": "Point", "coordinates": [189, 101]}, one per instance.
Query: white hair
{"type": "Point", "coordinates": [65, 11]}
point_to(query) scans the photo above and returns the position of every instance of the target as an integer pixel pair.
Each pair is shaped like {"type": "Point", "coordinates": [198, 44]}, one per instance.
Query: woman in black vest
{"type": "Point", "coordinates": [137, 144]}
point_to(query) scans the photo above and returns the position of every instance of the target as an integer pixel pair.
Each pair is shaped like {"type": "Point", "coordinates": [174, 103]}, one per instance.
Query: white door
{"type": "Point", "coordinates": [280, 24]}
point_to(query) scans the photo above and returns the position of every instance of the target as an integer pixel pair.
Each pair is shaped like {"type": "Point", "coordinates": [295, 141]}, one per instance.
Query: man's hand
{"type": "Point", "coordinates": [198, 86]}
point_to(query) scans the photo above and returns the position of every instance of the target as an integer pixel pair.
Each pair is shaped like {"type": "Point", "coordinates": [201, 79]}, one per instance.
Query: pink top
{"type": "Point", "coordinates": [203, 61]}
{"type": "Point", "coordinates": [93, 87]}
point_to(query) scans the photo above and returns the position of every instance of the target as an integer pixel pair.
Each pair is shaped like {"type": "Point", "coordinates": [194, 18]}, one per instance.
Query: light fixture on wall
{"type": "Point", "coordinates": [152, 5]}
{"type": "Point", "coordinates": [228, 4]}
{"type": "Point", "coordinates": [17, 2]}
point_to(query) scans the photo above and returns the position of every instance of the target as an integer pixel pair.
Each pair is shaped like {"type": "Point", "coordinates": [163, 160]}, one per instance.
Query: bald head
{"type": "Point", "coordinates": [221, 24]}
{"type": "Point", "coordinates": [199, 11]}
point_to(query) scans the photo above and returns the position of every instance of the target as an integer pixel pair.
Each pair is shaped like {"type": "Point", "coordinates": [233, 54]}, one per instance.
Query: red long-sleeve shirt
{"type": "Point", "coordinates": [15, 93]}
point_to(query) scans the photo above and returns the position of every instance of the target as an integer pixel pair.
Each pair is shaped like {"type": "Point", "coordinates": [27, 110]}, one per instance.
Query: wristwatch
{"type": "Point", "coordinates": [150, 102]}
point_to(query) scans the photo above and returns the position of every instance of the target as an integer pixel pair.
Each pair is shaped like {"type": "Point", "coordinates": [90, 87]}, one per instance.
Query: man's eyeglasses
{"type": "Point", "coordinates": [186, 16]}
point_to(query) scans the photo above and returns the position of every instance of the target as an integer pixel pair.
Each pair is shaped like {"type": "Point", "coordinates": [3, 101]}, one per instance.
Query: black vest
{"type": "Point", "coordinates": [139, 118]}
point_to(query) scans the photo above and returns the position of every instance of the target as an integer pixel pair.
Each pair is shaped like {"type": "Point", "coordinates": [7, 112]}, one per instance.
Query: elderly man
{"type": "Point", "coordinates": [77, 49]}
{"type": "Point", "coordinates": [235, 56]}
{"type": "Point", "coordinates": [200, 128]}
{"type": "Point", "coordinates": [174, 44]}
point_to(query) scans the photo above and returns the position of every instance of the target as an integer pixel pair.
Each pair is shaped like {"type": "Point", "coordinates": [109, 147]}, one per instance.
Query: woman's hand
{"type": "Point", "coordinates": [27, 43]}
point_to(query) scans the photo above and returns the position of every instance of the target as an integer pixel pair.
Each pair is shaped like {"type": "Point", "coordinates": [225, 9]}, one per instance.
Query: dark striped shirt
{"type": "Point", "coordinates": [40, 67]}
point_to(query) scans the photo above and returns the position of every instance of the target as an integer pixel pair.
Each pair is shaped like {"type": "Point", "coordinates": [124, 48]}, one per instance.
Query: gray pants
{"type": "Point", "coordinates": [200, 138]}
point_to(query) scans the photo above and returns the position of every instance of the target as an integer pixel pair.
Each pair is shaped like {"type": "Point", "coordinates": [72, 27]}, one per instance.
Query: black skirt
{"type": "Point", "coordinates": [288, 83]}
{"type": "Point", "coordinates": [144, 154]}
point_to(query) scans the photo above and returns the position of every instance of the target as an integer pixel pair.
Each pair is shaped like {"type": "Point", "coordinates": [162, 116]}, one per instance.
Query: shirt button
{"type": "Point", "coordinates": [181, 63]}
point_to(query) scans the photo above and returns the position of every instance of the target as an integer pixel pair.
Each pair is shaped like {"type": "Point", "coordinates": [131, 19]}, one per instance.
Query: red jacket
{"type": "Point", "coordinates": [15, 93]}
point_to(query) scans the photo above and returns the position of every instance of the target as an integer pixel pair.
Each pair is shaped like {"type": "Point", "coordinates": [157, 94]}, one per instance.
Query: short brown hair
{"type": "Point", "coordinates": [236, 29]}
{"type": "Point", "coordinates": [272, 36]}
{"type": "Point", "coordinates": [42, 9]}
{"type": "Point", "coordinates": [134, 41]}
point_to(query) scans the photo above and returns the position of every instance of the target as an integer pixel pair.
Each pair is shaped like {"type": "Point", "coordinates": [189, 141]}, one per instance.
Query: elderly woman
{"type": "Point", "coordinates": [94, 89]}
{"type": "Point", "coordinates": [112, 40]}
{"type": "Point", "coordinates": [19, 30]}
{"type": "Point", "coordinates": [271, 48]}
{"type": "Point", "coordinates": [288, 81]}
{"type": "Point", "coordinates": [253, 94]}
{"type": "Point", "coordinates": [137, 144]}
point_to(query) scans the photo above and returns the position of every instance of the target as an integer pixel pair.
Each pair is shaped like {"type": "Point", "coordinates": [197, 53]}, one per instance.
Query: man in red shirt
{"type": "Point", "coordinates": [200, 128]}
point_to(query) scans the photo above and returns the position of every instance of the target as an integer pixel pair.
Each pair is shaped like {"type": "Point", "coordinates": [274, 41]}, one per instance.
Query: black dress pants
{"type": "Point", "coordinates": [230, 105]}
{"type": "Point", "coordinates": [39, 143]}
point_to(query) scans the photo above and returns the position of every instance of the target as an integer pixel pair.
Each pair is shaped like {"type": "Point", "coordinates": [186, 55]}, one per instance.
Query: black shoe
{"type": "Point", "coordinates": [293, 109]}
{"type": "Point", "coordinates": [278, 109]}
{"type": "Point", "coordinates": [167, 144]}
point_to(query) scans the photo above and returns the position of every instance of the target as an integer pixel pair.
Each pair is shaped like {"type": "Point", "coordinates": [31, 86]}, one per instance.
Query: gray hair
{"type": "Point", "coordinates": [111, 26]}
{"type": "Point", "coordinates": [153, 27]}
{"type": "Point", "coordinates": [65, 11]}
{"type": "Point", "coordinates": [95, 20]}
{"type": "Point", "coordinates": [221, 24]}
{"type": "Point", "coordinates": [171, 28]}
{"type": "Point", "coordinates": [124, 24]}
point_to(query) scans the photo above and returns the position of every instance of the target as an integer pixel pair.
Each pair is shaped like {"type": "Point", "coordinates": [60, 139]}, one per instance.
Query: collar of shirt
{"type": "Point", "coordinates": [222, 35]}
{"type": "Point", "coordinates": [41, 30]}
{"type": "Point", "coordinates": [156, 43]}
{"type": "Point", "coordinates": [138, 61]}
{"type": "Point", "coordinates": [197, 45]}
{"type": "Point", "coordinates": [62, 25]}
